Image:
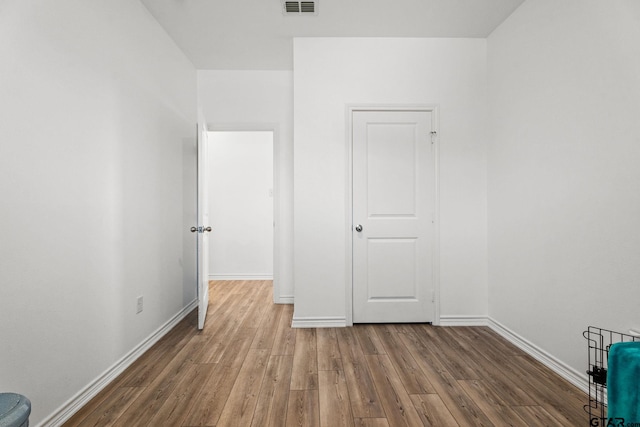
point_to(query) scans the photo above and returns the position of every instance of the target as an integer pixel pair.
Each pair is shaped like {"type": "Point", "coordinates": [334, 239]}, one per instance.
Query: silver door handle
{"type": "Point", "coordinates": [358, 228]}
{"type": "Point", "coordinates": [201, 229]}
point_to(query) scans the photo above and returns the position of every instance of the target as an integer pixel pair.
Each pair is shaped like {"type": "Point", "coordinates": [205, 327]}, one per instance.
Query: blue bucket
{"type": "Point", "coordinates": [14, 410]}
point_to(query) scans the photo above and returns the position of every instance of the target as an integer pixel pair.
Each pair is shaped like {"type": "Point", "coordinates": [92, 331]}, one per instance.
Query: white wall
{"type": "Point", "coordinates": [563, 172]}
{"type": "Point", "coordinates": [241, 205]}
{"type": "Point", "coordinates": [245, 100]}
{"type": "Point", "coordinates": [331, 73]}
{"type": "Point", "coordinates": [98, 113]}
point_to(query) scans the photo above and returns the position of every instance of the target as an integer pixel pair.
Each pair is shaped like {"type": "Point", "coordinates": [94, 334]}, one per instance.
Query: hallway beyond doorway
{"type": "Point", "coordinates": [241, 205]}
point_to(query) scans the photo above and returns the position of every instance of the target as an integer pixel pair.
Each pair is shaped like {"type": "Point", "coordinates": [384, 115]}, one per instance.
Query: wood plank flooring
{"type": "Point", "coordinates": [249, 368]}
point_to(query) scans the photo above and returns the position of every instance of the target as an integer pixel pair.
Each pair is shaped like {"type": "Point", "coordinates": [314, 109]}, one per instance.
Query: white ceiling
{"type": "Point", "coordinates": [254, 34]}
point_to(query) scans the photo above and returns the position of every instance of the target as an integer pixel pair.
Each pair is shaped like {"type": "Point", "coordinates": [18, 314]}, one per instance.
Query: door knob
{"type": "Point", "coordinates": [194, 229]}
{"type": "Point", "coordinates": [358, 228]}
{"type": "Point", "coordinates": [207, 229]}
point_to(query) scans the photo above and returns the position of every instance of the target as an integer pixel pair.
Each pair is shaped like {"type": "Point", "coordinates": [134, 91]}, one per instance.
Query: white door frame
{"type": "Point", "coordinates": [434, 111]}
{"type": "Point", "coordinates": [264, 127]}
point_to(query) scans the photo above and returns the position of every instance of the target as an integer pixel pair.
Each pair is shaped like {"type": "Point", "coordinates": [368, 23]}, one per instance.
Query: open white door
{"type": "Point", "coordinates": [203, 227]}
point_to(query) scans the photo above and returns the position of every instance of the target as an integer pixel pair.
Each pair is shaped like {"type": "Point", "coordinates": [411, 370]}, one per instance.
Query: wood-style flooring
{"type": "Point", "coordinates": [248, 367]}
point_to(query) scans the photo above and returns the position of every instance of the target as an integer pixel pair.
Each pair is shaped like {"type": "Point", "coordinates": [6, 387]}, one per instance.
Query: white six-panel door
{"type": "Point", "coordinates": [393, 216]}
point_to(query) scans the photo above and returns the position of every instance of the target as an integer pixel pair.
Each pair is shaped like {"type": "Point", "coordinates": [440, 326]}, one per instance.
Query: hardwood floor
{"type": "Point", "coordinates": [249, 368]}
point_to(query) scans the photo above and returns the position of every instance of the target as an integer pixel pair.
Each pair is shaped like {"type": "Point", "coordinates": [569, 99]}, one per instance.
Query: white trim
{"type": "Point", "coordinates": [435, 126]}
{"type": "Point", "coordinates": [240, 277]}
{"type": "Point", "coordinates": [349, 216]}
{"type": "Point", "coordinates": [464, 320]}
{"type": "Point", "coordinates": [576, 378]}
{"type": "Point", "coordinates": [277, 211]}
{"type": "Point", "coordinates": [435, 120]}
{"type": "Point", "coordinates": [73, 405]}
{"type": "Point", "coordinates": [285, 299]}
{"type": "Point", "coordinates": [318, 322]}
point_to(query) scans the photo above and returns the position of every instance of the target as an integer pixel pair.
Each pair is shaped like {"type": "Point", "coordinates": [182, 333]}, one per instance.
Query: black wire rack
{"type": "Point", "coordinates": [599, 341]}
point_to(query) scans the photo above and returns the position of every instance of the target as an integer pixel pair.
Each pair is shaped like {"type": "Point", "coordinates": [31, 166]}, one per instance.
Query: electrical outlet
{"type": "Point", "coordinates": [140, 305]}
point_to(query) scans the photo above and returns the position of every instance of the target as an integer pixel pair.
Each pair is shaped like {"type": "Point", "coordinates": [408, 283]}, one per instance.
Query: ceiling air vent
{"type": "Point", "coordinates": [300, 7]}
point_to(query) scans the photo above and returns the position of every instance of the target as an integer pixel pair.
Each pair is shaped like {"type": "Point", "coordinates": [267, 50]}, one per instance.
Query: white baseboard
{"type": "Point", "coordinates": [318, 322]}
{"type": "Point", "coordinates": [565, 371]}
{"type": "Point", "coordinates": [463, 320]}
{"type": "Point", "coordinates": [73, 405]}
{"type": "Point", "coordinates": [240, 277]}
{"type": "Point", "coordinates": [284, 299]}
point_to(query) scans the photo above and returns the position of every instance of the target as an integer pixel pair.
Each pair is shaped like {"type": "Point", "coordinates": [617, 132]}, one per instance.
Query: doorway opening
{"type": "Point", "coordinates": [241, 205]}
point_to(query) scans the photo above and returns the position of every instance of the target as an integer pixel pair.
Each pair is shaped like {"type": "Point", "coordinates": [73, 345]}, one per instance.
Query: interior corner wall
{"type": "Point", "coordinates": [332, 73]}
{"type": "Point", "coordinates": [98, 122]}
{"type": "Point", "coordinates": [563, 174]}
{"type": "Point", "coordinates": [240, 100]}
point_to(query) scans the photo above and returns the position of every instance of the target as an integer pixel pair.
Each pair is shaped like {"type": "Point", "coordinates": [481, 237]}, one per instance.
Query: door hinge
{"type": "Point", "coordinates": [433, 136]}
